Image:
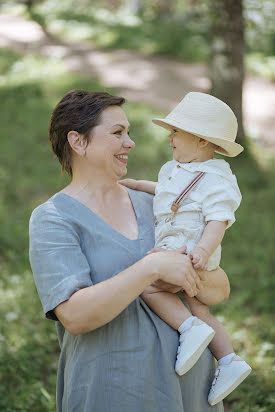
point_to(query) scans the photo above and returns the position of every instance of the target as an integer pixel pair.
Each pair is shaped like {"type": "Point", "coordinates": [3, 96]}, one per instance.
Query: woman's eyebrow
{"type": "Point", "coordinates": [121, 125]}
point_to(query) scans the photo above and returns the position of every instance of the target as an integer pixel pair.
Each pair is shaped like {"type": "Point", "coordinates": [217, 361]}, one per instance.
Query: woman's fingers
{"type": "Point", "coordinates": [189, 289]}
{"type": "Point", "coordinates": [165, 285]}
{"type": "Point", "coordinates": [198, 283]}
{"type": "Point", "coordinates": [195, 278]}
{"type": "Point", "coordinates": [202, 274]}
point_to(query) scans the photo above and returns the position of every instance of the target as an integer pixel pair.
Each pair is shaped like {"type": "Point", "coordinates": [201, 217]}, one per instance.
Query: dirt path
{"type": "Point", "coordinates": [151, 79]}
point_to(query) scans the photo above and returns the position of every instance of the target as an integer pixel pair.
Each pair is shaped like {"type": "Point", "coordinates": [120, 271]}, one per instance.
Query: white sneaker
{"type": "Point", "coordinates": [192, 343]}
{"type": "Point", "coordinates": [227, 378]}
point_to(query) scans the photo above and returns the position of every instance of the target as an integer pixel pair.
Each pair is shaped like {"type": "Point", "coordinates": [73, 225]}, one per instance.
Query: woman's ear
{"type": "Point", "coordinates": [77, 143]}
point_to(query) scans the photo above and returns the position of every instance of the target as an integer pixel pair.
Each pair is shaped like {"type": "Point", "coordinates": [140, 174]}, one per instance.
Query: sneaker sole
{"type": "Point", "coordinates": [231, 388]}
{"type": "Point", "coordinates": [196, 355]}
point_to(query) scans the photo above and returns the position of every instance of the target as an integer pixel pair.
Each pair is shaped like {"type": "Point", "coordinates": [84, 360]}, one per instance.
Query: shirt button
{"type": "Point", "coordinates": [169, 178]}
{"type": "Point", "coordinates": [178, 166]}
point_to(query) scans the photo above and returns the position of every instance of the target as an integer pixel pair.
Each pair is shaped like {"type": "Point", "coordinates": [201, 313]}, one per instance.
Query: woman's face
{"type": "Point", "coordinates": [110, 143]}
{"type": "Point", "coordinates": [185, 146]}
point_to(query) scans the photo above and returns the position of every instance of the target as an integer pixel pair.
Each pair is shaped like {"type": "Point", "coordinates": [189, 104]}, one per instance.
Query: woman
{"type": "Point", "coordinates": [87, 251]}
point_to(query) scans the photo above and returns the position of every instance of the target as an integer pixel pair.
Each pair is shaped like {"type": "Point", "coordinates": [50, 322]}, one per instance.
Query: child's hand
{"type": "Point", "coordinates": [199, 258]}
{"type": "Point", "coordinates": [131, 183]}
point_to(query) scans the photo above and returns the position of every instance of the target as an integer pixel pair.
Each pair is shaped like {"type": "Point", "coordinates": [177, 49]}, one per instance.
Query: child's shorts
{"type": "Point", "coordinates": [170, 236]}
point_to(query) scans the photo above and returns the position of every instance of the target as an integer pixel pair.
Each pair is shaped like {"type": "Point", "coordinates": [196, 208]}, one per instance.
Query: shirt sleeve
{"type": "Point", "coordinates": [59, 266]}
{"type": "Point", "coordinates": [221, 200]}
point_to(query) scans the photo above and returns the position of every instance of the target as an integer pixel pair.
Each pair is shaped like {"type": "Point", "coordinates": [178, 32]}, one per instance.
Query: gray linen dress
{"type": "Point", "coordinates": [128, 364]}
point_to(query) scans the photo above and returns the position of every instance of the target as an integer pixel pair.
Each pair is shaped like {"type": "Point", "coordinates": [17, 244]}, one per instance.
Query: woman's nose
{"type": "Point", "coordinates": [128, 142]}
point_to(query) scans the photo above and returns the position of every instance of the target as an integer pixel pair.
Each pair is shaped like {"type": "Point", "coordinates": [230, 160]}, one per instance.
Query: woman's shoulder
{"type": "Point", "coordinates": [143, 202]}
{"type": "Point", "coordinates": [51, 210]}
{"type": "Point", "coordinates": [143, 196]}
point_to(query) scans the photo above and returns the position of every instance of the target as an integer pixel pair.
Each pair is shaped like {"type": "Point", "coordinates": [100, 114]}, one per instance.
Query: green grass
{"type": "Point", "coordinates": [29, 174]}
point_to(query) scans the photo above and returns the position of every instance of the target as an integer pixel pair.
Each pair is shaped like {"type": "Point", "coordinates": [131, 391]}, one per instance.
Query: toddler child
{"type": "Point", "coordinates": [195, 200]}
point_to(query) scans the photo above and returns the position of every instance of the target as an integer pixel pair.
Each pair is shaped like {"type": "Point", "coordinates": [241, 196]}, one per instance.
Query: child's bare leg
{"type": "Point", "coordinates": [215, 288]}
{"type": "Point", "coordinates": [232, 370]}
{"type": "Point", "coordinates": [166, 305]}
{"type": "Point", "coordinates": [195, 335]}
{"type": "Point", "coordinates": [220, 345]}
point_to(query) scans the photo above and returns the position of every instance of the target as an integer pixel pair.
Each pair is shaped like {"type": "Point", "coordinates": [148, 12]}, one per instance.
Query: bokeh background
{"type": "Point", "coordinates": [152, 52]}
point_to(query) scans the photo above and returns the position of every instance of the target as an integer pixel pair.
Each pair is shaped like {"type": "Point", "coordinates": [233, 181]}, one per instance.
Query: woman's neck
{"type": "Point", "coordinates": [91, 185]}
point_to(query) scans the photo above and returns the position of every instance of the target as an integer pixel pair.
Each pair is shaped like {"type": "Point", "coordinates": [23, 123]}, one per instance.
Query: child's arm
{"type": "Point", "coordinates": [210, 240]}
{"type": "Point", "coordinates": [142, 185]}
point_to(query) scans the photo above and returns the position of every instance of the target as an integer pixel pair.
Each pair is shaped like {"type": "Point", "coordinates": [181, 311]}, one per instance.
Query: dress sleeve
{"type": "Point", "coordinates": [59, 266]}
{"type": "Point", "coordinates": [221, 200]}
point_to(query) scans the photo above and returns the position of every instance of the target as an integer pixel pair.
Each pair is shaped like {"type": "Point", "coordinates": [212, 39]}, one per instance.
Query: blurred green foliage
{"type": "Point", "coordinates": [176, 28]}
{"type": "Point", "coordinates": [29, 174]}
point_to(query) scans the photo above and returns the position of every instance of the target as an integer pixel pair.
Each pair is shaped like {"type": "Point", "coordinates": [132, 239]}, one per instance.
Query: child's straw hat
{"type": "Point", "coordinates": [208, 117]}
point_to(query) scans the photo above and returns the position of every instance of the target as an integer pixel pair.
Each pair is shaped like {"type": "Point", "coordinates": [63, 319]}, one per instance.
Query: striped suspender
{"type": "Point", "coordinates": [183, 194]}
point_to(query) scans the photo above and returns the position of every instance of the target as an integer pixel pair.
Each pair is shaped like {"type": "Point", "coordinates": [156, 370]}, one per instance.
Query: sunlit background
{"type": "Point", "coordinates": [151, 52]}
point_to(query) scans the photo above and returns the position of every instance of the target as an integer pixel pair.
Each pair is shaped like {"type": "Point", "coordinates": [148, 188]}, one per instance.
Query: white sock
{"type": "Point", "coordinates": [186, 324]}
{"type": "Point", "coordinates": [225, 360]}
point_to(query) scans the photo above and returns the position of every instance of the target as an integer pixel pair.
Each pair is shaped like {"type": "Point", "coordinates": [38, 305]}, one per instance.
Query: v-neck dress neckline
{"type": "Point", "coordinates": [133, 199]}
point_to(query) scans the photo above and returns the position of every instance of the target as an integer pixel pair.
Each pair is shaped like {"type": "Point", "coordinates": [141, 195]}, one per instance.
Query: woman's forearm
{"type": "Point", "coordinates": [94, 306]}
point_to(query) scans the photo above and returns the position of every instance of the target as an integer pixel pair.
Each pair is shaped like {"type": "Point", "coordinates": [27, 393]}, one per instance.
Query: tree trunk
{"type": "Point", "coordinates": [163, 8]}
{"type": "Point", "coordinates": [227, 71]}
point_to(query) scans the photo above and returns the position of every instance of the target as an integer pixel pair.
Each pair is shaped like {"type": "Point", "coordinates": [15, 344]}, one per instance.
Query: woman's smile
{"type": "Point", "coordinates": [123, 157]}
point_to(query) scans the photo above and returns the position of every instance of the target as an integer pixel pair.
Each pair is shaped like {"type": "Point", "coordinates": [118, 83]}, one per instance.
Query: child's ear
{"type": "Point", "coordinates": [203, 142]}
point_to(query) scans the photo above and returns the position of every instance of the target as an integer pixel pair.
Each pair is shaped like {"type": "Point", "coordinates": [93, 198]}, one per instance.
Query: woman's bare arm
{"type": "Point", "coordinates": [94, 306]}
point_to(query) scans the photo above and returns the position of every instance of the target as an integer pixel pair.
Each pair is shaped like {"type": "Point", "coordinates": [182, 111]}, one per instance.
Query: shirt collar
{"type": "Point", "coordinates": [216, 166]}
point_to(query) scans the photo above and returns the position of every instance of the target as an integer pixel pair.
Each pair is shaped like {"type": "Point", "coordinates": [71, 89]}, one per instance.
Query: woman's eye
{"type": "Point", "coordinates": [118, 132]}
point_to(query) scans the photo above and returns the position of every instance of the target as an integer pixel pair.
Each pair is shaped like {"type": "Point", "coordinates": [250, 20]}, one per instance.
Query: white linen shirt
{"type": "Point", "coordinates": [215, 197]}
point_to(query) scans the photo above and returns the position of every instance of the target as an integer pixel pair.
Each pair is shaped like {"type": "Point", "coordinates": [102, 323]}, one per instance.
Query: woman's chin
{"type": "Point", "coordinates": [121, 173]}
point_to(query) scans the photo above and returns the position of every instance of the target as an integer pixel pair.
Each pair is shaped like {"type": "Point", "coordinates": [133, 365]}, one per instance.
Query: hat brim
{"type": "Point", "coordinates": [225, 147]}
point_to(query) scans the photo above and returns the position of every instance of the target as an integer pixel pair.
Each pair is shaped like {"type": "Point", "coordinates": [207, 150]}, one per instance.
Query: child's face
{"type": "Point", "coordinates": [185, 146]}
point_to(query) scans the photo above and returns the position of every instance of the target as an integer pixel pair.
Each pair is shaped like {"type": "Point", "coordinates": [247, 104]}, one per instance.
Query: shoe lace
{"type": "Point", "coordinates": [217, 373]}
{"type": "Point", "coordinates": [179, 347]}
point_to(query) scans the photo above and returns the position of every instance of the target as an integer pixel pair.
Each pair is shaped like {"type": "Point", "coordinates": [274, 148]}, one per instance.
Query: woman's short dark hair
{"type": "Point", "coordinates": [78, 110]}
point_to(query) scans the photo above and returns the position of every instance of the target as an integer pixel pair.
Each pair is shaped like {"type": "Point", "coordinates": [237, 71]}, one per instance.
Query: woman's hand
{"type": "Point", "coordinates": [166, 287]}
{"type": "Point", "coordinates": [175, 268]}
